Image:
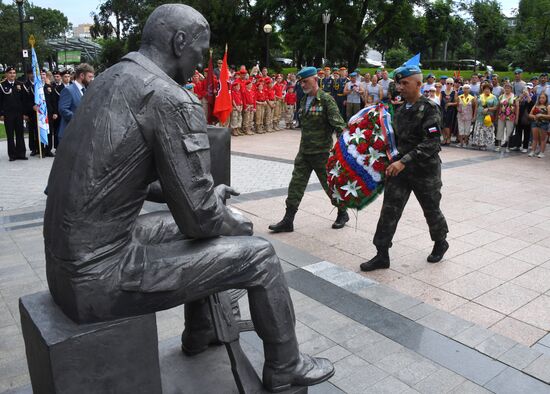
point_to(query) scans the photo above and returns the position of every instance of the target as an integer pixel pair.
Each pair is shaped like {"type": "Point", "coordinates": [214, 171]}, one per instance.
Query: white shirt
{"type": "Point", "coordinates": [79, 86]}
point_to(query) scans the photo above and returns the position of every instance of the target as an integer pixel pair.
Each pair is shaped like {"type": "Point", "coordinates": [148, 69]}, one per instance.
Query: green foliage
{"type": "Point", "coordinates": [465, 51]}
{"type": "Point", "coordinates": [48, 23]}
{"type": "Point", "coordinates": [395, 57]}
{"type": "Point", "coordinates": [2, 131]}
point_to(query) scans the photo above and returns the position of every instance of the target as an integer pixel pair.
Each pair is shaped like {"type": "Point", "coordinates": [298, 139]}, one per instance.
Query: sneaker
{"type": "Point", "coordinates": [497, 149]}
{"type": "Point", "coordinates": [524, 151]}
{"type": "Point", "coordinates": [507, 150]}
{"type": "Point", "coordinates": [515, 149]}
{"type": "Point", "coordinates": [531, 154]}
{"type": "Point", "coordinates": [540, 155]}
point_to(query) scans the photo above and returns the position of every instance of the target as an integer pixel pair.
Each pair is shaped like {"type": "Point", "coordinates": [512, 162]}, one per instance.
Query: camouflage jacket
{"type": "Point", "coordinates": [418, 131]}
{"type": "Point", "coordinates": [319, 122]}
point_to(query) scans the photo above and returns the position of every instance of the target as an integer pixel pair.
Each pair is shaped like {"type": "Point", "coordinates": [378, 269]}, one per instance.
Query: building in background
{"type": "Point", "coordinates": [82, 31]}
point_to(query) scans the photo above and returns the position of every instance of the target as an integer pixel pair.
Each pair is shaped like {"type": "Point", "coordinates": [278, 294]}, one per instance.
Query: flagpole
{"type": "Point", "coordinates": [32, 41]}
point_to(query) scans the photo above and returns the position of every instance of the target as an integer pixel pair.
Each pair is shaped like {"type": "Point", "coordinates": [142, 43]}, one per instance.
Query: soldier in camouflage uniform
{"type": "Point", "coordinates": [417, 124]}
{"type": "Point", "coordinates": [319, 119]}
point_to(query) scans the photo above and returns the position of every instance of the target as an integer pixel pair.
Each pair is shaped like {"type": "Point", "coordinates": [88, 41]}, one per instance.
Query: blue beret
{"type": "Point", "coordinates": [430, 75]}
{"type": "Point", "coordinates": [306, 72]}
{"type": "Point", "coordinates": [406, 71]}
{"type": "Point", "coordinates": [353, 74]}
{"type": "Point", "coordinates": [518, 71]}
{"type": "Point", "coordinates": [443, 77]}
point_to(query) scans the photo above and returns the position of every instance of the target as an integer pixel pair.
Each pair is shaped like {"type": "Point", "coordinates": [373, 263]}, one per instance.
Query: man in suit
{"type": "Point", "coordinates": [70, 97]}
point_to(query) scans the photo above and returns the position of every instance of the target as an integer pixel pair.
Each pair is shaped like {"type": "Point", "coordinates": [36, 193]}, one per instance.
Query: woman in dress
{"type": "Point", "coordinates": [466, 109]}
{"type": "Point", "coordinates": [484, 131]}
{"type": "Point", "coordinates": [508, 109]}
{"type": "Point", "coordinates": [448, 105]}
{"type": "Point", "coordinates": [540, 126]}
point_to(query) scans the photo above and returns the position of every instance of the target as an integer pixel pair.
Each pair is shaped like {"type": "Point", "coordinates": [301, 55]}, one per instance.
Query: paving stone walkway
{"type": "Point", "coordinates": [476, 323]}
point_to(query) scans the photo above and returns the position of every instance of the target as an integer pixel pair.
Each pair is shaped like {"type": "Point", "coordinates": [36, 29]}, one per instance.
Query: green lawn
{"type": "Point", "coordinates": [2, 131]}
{"type": "Point", "coordinates": [463, 73]}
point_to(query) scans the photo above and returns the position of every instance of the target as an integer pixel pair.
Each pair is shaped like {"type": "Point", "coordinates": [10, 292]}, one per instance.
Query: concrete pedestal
{"type": "Point", "coordinates": [120, 356]}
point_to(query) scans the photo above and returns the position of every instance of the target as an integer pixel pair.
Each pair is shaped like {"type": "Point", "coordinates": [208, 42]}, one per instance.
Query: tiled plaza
{"type": "Point", "coordinates": [477, 322]}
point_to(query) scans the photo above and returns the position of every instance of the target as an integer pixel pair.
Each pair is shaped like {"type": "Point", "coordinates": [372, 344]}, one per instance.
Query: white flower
{"type": "Point", "coordinates": [350, 188]}
{"type": "Point", "coordinates": [336, 195]}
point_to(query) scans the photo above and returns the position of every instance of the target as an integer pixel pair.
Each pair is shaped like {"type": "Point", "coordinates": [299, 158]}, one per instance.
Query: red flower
{"type": "Point", "coordinates": [379, 166]}
{"type": "Point", "coordinates": [362, 148]}
{"type": "Point", "coordinates": [365, 123]}
{"type": "Point", "coordinates": [352, 129]}
{"type": "Point", "coordinates": [341, 179]}
{"type": "Point", "coordinates": [379, 145]}
{"type": "Point", "coordinates": [368, 134]}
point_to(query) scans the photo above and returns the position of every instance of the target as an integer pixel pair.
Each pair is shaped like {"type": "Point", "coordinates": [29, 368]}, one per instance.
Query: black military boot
{"type": "Point", "coordinates": [381, 260]}
{"type": "Point", "coordinates": [199, 331]}
{"type": "Point", "coordinates": [341, 219]}
{"type": "Point", "coordinates": [287, 224]}
{"type": "Point", "coordinates": [440, 247]}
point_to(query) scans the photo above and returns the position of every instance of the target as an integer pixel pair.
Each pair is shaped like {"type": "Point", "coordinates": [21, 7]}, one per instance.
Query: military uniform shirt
{"type": "Point", "coordinates": [319, 121]}
{"type": "Point", "coordinates": [418, 131]}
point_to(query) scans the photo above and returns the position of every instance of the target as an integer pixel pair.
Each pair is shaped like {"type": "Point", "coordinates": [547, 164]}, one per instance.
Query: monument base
{"type": "Point", "coordinates": [208, 372]}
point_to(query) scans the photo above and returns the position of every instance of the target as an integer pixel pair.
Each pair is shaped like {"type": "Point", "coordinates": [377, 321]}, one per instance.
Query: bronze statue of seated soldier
{"type": "Point", "coordinates": [134, 127]}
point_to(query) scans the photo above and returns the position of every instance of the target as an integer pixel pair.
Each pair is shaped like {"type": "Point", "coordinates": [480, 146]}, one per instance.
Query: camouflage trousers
{"type": "Point", "coordinates": [303, 165]}
{"type": "Point", "coordinates": [268, 119]}
{"type": "Point", "coordinates": [426, 186]}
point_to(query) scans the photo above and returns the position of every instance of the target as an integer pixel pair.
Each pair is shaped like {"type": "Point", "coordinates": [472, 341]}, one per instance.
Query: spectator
{"type": "Point", "coordinates": [353, 92]}
{"type": "Point", "coordinates": [541, 119]}
{"type": "Point", "coordinates": [466, 109]}
{"type": "Point", "coordinates": [518, 85]}
{"type": "Point", "coordinates": [70, 97]}
{"type": "Point", "coordinates": [484, 131]}
{"type": "Point", "coordinates": [448, 105]}
{"type": "Point", "coordinates": [433, 97]}
{"type": "Point", "coordinates": [475, 85]}
{"type": "Point", "coordinates": [526, 103]}
{"type": "Point", "coordinates": [507, 117]}
{"type": "Point", "coordinates": [497, 89]}
{"type": "Point", "coordinates": [438, 88]}
{"type": "Point", "coordinates": [428, 84]}
{"type": "Point", "coordinates": [374, 90]}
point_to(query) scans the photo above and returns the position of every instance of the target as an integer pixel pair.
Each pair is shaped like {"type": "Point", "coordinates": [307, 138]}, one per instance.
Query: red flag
{"type": "Point", "coordinates": [223, 107]}
{"type": "Point", "coordinates": [210, 91]}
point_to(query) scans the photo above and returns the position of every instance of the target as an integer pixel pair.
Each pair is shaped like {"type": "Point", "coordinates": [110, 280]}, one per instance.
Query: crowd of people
{"type": "Point", "coordinates": [485, 111]}
{"type": "Point", "coordinates": [481, 112]}
{"type": "Point", "coordinates": [18, 110]}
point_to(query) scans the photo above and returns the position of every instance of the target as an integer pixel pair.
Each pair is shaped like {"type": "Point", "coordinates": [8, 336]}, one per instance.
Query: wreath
{"type": "Point", "coordinates": [357, 164]}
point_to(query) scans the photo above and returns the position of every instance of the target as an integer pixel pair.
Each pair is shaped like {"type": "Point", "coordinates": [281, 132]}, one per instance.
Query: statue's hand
{"type": "Point", "coordinates": [225, 192]}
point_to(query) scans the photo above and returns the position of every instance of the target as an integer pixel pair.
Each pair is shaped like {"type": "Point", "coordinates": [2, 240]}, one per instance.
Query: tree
{"type": "Point", "coordinates": [395, 57]}
{"type": "Point", "coordinates": [492, 29]}
{"type": "Point", "coordinates": [48, 23]}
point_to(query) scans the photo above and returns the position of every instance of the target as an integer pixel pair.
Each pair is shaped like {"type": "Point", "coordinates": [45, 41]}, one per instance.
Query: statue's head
{"type": "Point", "coordinates": [176, 36]}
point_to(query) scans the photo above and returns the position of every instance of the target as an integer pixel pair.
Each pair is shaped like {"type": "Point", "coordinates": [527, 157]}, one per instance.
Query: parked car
{"type": "Point", "coordinates": [283, 61]}
{"type": "Point", "coordinates": [468, 64]}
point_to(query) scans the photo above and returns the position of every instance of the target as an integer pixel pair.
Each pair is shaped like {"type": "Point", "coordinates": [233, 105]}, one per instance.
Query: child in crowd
{"type": "Point", "coordinates": [290, 103]}
{"type": "Point", "coordinates": [249, 107]}
{"type": "Point", "coordinates": [236, 113]}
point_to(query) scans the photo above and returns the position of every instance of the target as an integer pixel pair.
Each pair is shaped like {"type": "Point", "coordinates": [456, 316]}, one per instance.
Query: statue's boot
{"type": "Point", "coordinates": [285, 366]}
{"type": "Point", "coordinates": [341, 219]}
{"type": "Point", "coordinates": [199, 331]}
{"type": "Point", "coordinates": [287, 224]}
{"type": "Point", "coordinates": [380, 261]}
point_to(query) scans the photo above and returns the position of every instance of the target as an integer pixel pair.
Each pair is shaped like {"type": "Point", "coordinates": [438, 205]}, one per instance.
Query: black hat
{"type": "Point", "coordinates": [56, 72]}
{"type": "Point", "coordinates": [65, 72]}
{"type": "Point", "coordinates": [43, 70]}
{"type": "Point", "coordinates": [10, 68]}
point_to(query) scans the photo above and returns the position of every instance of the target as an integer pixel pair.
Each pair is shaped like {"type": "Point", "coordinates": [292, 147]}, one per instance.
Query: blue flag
{"type": "Point", "coordinates": [40, 101]}
{"type": "Point", "coordinates": [413, 61]}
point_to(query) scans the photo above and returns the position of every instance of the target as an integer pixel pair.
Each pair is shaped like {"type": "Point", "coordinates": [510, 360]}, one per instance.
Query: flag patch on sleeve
{"type": "Point", "coordinates": [433, 130]}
